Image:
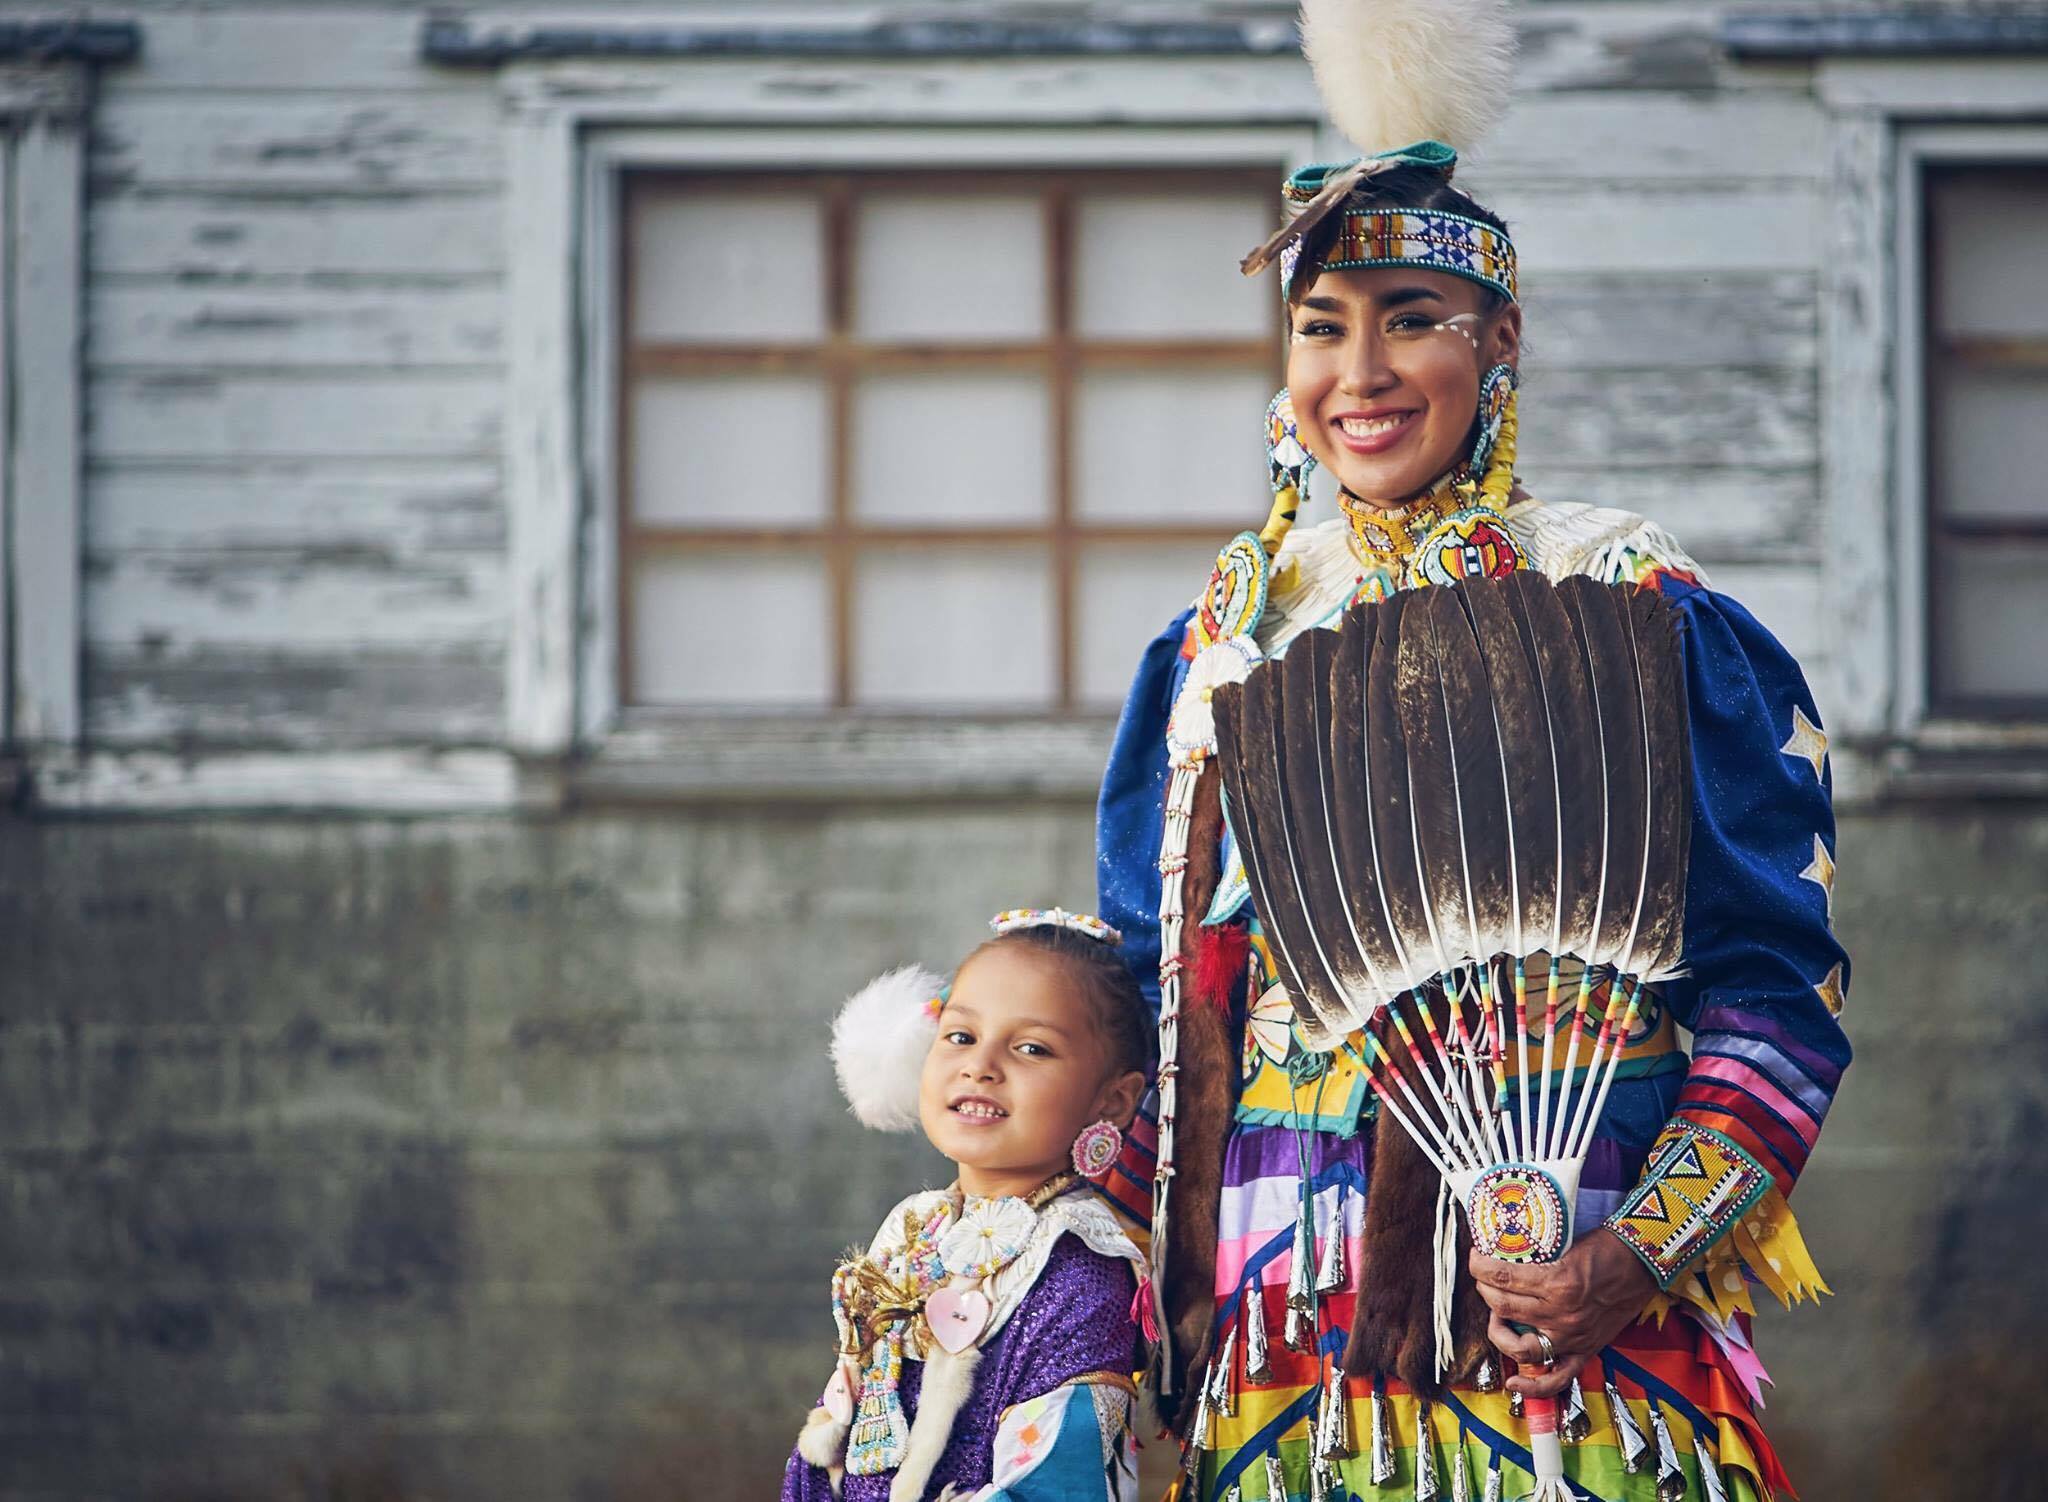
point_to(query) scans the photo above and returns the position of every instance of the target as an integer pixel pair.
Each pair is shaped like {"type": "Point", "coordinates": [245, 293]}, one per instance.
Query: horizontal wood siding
{"type": "Point", "coordinates": [296, 328]}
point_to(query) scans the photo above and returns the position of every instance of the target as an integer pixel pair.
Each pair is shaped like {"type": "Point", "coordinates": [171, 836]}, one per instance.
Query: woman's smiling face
{"type": "Point", "coordinates": [1383, 366]}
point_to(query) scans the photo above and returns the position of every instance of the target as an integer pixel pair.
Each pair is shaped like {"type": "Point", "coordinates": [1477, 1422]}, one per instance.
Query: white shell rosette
{"type": "Point", "coordinates": [1191, 728]}
{"type": "Point", "coordinates": [988, 1237]}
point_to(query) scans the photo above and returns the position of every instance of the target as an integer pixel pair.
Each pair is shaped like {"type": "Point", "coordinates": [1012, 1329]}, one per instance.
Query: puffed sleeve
{"type": "Point", "coordinates": [1764, 976]}
{"type": "Point", "coordinates": [1130, 814]}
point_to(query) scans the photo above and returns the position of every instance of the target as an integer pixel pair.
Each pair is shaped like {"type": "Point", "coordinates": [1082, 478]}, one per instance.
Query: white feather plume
{"type": "Point", "coordinates": [879, 1041]}
{"type": "Point", "coordinates": [1394, 72]}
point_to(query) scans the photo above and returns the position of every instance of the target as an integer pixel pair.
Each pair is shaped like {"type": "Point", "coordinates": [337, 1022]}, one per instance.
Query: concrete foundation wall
{"type": "Point", "coordinates": [480, 1159]}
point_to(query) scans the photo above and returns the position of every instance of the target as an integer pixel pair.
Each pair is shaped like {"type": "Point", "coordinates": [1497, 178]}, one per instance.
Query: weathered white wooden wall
{"type": "Point", "coordinates": [294, 531]}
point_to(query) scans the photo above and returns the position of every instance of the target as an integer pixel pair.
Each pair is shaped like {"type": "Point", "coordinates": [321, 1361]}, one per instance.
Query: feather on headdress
{"type": "Point", "coordinates": [1410, 82]}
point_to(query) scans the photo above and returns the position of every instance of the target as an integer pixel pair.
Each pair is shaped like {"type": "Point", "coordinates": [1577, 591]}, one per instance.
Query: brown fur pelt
{"type": "Point", "coordinates": [1207, 1091]}
{"type": "Point", "coordinates": [1392, 1325]}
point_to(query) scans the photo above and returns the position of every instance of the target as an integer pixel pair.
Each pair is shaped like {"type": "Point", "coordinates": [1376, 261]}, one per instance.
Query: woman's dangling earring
{"type": "Point", "coordinates": [1289, 463]}
{"type": "Point", "coordinates": [1096, 1149]}
{"type": "Point", "coordinates": [1496, 389]}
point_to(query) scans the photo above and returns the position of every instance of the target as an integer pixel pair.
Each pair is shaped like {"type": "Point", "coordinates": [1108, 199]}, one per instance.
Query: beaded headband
{"type": "Point", "coordinates": [1430, 239]}
{"type": "Point", "coordinates": [1087, 925]}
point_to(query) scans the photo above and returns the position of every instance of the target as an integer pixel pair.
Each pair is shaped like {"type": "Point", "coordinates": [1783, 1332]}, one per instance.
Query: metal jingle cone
{"type": "Point", "coordinates": [1257, 1372]}
{"type": "Point", "coordinates": [1495, 1482]}
{"type": "Point", "coordinates": [1235, 1494]}
{"type": "Point", "coordinates": [1382, 1437]}
{"type": "Point", "coordinates": [1198, 1431]}
{"type": "Point", "coordinates": [1461, 1473]}
{"type": "Point", "coordinates": [1330, 1271]}
{"type": "Point", "coordinates": [1514, 1405]}
{"type": "Point", "coordinates": [1670, 1475]}
{"type": "Point", "coordinates": [1334, 1420]}
{"type": "Point", "coordinates": [1301, 1295]}
{"type": "Point", "coordinates": [1322, 1479]}
{"type": "Point", "coordinates": [1487, 1378]}
{"type": "Point", "coordinates": [1276, 1477]}
{"type": "Point", "coordinates": [1574, 1421]}
{"type": "Point", "coordinates": [1628, 1434]}
{"type": "Point", "coordinates": [1300, 1333]}
{"type": "Point", "coordinates": [1426, 1486]}
{"type": "Point", "coordinates": [1222, 1397]}
{"type": "Point", "coordinates": [1710, 1473]}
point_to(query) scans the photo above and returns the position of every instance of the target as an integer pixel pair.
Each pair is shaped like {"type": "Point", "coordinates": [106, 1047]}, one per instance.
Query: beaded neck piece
{"type": "Point", "coordinates": [1386, 537]}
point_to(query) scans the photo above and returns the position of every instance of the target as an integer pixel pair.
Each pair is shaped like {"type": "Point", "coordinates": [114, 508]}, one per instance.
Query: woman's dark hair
{"type": "Point", "coordinates": [1111, 989]}
{"type": "Point", "coordinates": [1396, 188]}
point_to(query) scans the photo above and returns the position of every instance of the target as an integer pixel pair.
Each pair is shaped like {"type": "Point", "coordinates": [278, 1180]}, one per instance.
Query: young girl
{"type": "Point", "coordinates": [986, 1344]}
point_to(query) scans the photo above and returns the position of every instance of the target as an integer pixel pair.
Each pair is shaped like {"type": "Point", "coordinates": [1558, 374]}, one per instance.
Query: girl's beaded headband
{"type": "Point", "coordinates": [1085, 924]}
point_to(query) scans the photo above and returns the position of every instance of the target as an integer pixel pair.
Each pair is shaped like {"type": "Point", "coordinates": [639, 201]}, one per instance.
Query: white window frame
{"type": "Point", "coordinates": [43, 110]}
{"type": "Point", "coordinates": [574, 130]}
{"type": "Point", "coordinates": [1888, 118]}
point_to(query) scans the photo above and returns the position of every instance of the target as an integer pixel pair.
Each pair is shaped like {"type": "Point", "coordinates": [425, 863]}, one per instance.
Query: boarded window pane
{"type": "Point", "coordinates": [732, 630]}
{"type": "Point", "coordinates": [960, 449]}
{"type": "Point", "coordinates": [1165, 267]}
{"type": "Point", "coordinates": [950, 269]}
{"type": "Point", "coordinates": [1988, 227]}
{"type": "Point", "coordinates": [1124, 596]}
{"type": "Point", "coordinates": [726, 267]}
{"type": "Point", "coordinates": [1172, 448]}
{"type": "Point", "coordinates": [954, 628]}
{"type": "Point", "coordinates": [731, 452]}
{"type": "Point", "coordinates": [1990, 623]}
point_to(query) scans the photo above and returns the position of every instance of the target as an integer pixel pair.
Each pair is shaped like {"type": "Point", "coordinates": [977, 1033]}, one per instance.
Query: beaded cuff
{"type": "Point", "coordinates": [1695, 1188]}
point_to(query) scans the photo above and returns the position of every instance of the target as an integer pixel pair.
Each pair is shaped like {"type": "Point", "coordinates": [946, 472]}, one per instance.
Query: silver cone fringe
{"type": "Point", "coordinates": [1322, 1478]}
{"type": "Point", "coordinates": [1221, 1396]}
{"type": "Point", "coordinates": [1628, 1434]}
{"type": "Point", "coordinates": [1487, 1378]}
{"type": "Point", "coordinates": [1382, 1438]}
{"type": "Point", "coordinates": [1300, 1333]}
{"type": "Point", "coordinates": [1198, 1432]}
{"type": "Point", "coordinates": [1710, 1474]}
{"type": "Point", "coordinates": [1574, 1423]}
{"type": "Point", "coordinates": [1333, 1421]}
{"type": "Point", "coordinates": [1670, 1475]}
{"type": "Point", "coordinates": [1301, 1294]}
{"type": "Point", "coordinates": [1515, 1404]}
{"type": "Point", "coordinates": [1235, 1494]}
{"type": "Point", "coordinates": [1461, 1473]}
{"type": "Point", "coordinates": [1256, 1370]}
{"type": "Point", "coordinates": [1495, 1482]}
{"type": "Point", "coordinates": [1276, 1477]}
{"type": "Point", "coordinates": [1426, 1487]}
{"type": "Point", "coordinates": [1330, 1272]}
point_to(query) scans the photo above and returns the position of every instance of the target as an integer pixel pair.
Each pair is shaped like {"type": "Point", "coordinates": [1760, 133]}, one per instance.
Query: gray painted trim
{"type": "Point", "coordinates": [70, 41]}
{"type": "Point", "coordinates": [1898, 32]}
{"type": "Point", "coordinates": [454, 43]}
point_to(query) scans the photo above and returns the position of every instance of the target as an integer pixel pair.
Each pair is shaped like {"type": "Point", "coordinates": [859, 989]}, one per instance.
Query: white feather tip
{"type": "Point", "coordinates": [1394, 72]}
{"type": "Point", "coordinates": [879, 1041]}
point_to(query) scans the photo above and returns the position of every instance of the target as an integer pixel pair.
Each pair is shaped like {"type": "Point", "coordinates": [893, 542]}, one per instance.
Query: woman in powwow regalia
{"type": "Point", "coordinates": [1296, 1289]}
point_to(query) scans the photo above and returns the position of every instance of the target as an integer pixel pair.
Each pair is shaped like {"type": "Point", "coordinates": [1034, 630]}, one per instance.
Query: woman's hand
{"type": "Point", "coordinates": [1581, 1302]}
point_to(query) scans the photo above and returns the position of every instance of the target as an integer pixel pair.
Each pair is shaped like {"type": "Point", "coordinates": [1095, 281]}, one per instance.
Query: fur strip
{"type": "Point", "coordinates": [1394, 72]}
{"type": "Point", "coordinates": [879, 1040]}
{"type": "Point", "coordinates": [823, 1440]}
{"type": "Point", "coordinates": [948, 1382]}
{"type": "Point", "coordinates": [1207, 1098]}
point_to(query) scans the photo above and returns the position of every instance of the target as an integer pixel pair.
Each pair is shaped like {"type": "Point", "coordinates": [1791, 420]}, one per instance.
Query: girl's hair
{"type": "Point", "coordinates": [1396, 188]}
{"type": "Point", "coordinates": [1112, 991]}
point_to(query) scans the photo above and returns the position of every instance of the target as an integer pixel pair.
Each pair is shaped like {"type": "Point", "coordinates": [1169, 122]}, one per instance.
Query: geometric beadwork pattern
{"type": "Point", "coordinates": [1423, 237]}
{"type": "Point", "coordinates": [1696, 1186]}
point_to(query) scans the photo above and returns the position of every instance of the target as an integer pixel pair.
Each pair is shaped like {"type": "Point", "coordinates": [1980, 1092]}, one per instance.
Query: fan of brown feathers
{"type": "Point", "coordinates": [1454, 783]}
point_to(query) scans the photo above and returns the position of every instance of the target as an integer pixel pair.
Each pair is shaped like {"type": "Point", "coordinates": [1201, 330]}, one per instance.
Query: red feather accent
{"type": "Point", "coordinates": [1221, 954]}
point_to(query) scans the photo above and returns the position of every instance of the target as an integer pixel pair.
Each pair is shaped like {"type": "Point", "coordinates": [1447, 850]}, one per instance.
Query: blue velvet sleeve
{"type": "Point", "coordinates": [1130, 814]}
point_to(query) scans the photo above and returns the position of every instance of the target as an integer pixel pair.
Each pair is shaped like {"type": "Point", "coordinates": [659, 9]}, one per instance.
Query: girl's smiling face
{"type": "Point", "coordinates": [1383, 366]}
{"type": "Point", "coordinates": [1021, 1064]}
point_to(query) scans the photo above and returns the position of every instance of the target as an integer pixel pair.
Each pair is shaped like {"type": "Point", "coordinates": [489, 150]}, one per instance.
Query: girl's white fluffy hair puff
{"type": "Point", "coordinates": [879, 1041]}
{"type": "Point", "coordinates": [1393, 72]}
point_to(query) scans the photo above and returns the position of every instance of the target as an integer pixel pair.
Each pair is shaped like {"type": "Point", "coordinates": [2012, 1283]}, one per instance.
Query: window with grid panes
{"type": "Point", "coordinates": [1987, 440]}
{"type": "Point", "coordinates": [930, 442]}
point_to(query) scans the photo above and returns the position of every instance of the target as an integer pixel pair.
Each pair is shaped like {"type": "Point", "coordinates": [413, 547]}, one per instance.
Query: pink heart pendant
{"type": "Point", "coordinates": [957, 1317]}
{"type": "Point", "coordinates": [838, 1399]}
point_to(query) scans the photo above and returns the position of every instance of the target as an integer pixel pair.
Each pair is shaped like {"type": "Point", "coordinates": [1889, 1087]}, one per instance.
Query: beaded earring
{"type": "Point", "coordinates": [1289, 463]}
{"type": "Point", "coordinates": [1496, 390]}
{"type": "Point", "coordinates": [1096, 1149]}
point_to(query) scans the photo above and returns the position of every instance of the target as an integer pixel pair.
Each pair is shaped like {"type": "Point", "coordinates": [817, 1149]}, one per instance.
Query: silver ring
{"type": "Point", "coordinates": [1549, 1351]}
